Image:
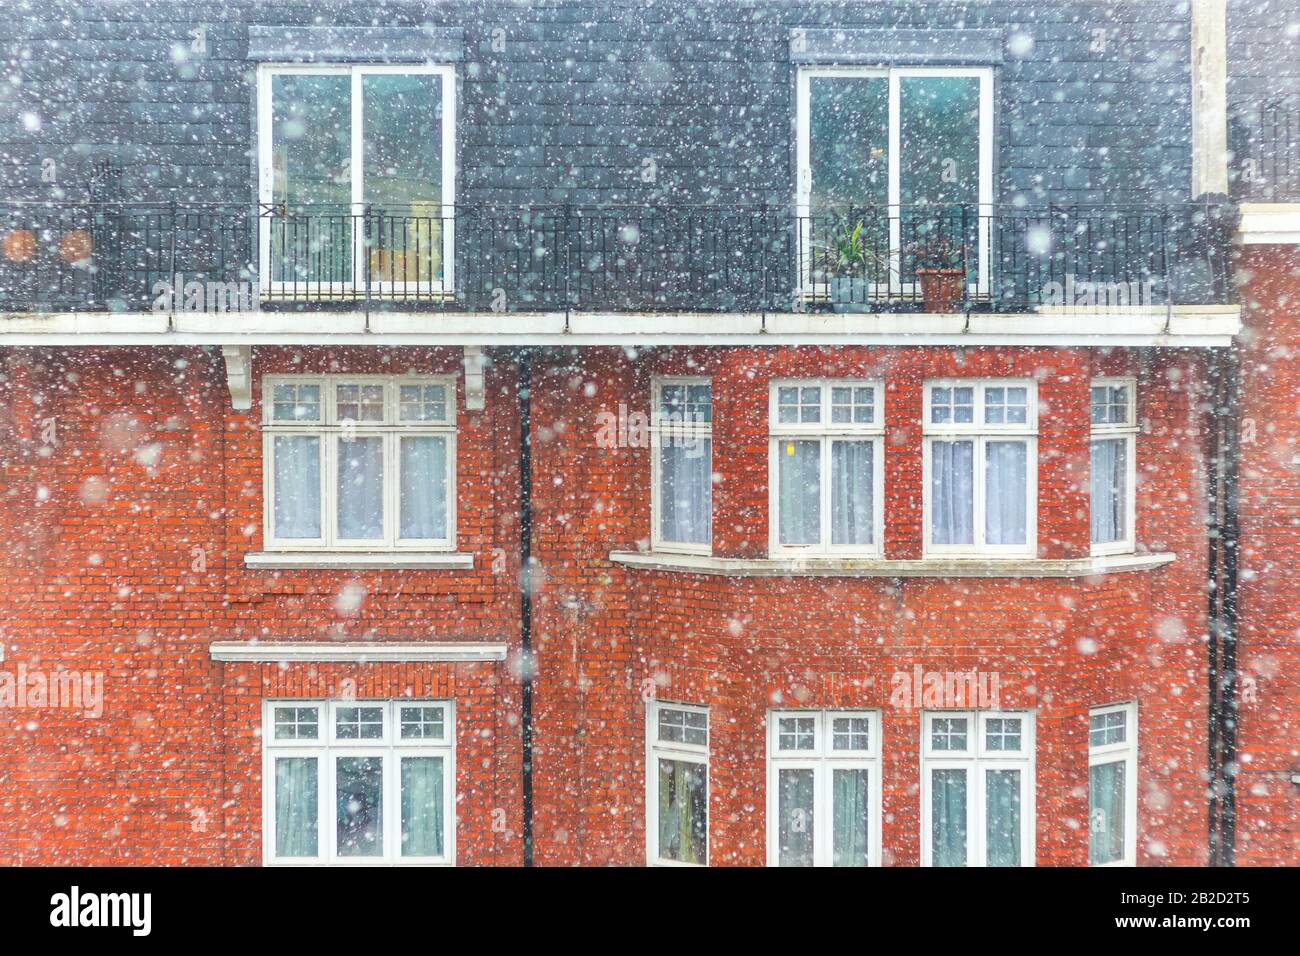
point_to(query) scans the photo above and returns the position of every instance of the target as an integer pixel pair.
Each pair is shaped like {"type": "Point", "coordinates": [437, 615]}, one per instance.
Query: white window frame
{"type": "Point", "coordinates": [326, 747]}
{"type": "Point", "coordinates": [803, 163]}
{"type": "Point", "coordinates": [823, 760]}
{"type": "Point", "coordinates": [1127, 431]}
{"type": "Point", "coordinates": [659, 429]}
{"type": "Point", "coordinates": [331, 431]}
{"type": "Point", "coordinates": [266, 175]}
{"type": "Point", "coordinates": [826, 432]}
{"type": "Point", "coordinates": [1126, 752]}
{"type": "Point", "coordinates": [975, 759]}
{"type": "Point", "coordinates": [981, 434]}
{"type": "Point", "coordinates": [674, 750]}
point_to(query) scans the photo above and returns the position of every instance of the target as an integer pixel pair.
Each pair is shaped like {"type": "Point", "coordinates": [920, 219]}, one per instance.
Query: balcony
{"type": "Point", "coordinates": [1265, 143]}
{"type": "Point", "coordinates": [164, 258]}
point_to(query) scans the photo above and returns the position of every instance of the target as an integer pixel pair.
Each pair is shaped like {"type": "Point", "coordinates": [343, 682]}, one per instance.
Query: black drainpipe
{"type": "Point", "coordinates": [1213, 592]}
{"type": "Point", "coordinates": [1223, 488]}
{"type": "Point", "coordinates": [526, 592]}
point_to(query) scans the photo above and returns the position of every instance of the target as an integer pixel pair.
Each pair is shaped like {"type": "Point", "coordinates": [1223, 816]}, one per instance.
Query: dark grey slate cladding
{"type": "Point", "coordinates": [585, 91]}
{"type": "Point", "coordinates": [1263, 49]}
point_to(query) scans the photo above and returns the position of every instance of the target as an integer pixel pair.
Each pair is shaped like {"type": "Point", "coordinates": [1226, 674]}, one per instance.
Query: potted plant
{"type": "Point", "coordinates": [852, 267]}
{"type": "Point", "coordinates": [940, 267]}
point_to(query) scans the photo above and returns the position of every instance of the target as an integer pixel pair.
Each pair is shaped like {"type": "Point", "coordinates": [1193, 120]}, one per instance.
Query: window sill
{"type": "Point", "coordinates": [358, 560]}
{"type": "Point", "coordinates": [887, 568]}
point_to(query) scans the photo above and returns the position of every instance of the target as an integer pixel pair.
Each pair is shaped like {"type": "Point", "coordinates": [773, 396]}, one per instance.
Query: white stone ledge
{"type": "Point", "coordinates": [1270, 223]}
{"type": "Point", "coordinates": [357, 560]}
{"type": "Point", "coordinates": [889, 568]}
{"type": "Point", "coordinates": [354, 651]}
{"type": "Point", "coordinates": [1193, 326]}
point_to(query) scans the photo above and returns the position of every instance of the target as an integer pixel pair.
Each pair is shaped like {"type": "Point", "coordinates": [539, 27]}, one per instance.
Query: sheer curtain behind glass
{"type": "Point", "coordinates": [952, 492]}
{"type": "Point", "coordinates": [1005, 492]}
{"type": "Point", "coordinates": [849, 808]}
{"type": "Point", "coordinates": [296, 804]}
{"type": "Point", "coordinates": [799, 481]}
{"type": "Point", "coordinates": [948, 817]}
{"type": "Point", "coordinates": [686, 489]}
{"type": "Point", "coordinates": [1109, 495]}
{"type": "Point", "coordinates": [1106, 812]}
{"type": "Point", "coordinates": [422, 808]}
{"type": "Point", "coordinates": [361, 487]}
{"type": "Point", "coordinates": [852, 507]}
{"type": "Point", "coordinates": [683, 811]}
{"type": "Point", "coordinates": [423, 463]}
{"type": "Point", "coordinates": [297, 486]}
{"type": "Point", "coordinates": [1002, 827]}
{"type": "Point", "coordinates": [795, 810]}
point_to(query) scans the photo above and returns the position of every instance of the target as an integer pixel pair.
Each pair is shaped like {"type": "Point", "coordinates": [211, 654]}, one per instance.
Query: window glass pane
{"type": "Point", "coordinates": [952, 492]}
{"type": "Point", "coordinates": [1109, 490]}
{"type": "Point", "coordinates": [948, 817]}
{"type": "Point", "coordinates": [296, 723]}
{"type": "Point", "coordinates": [360, 403]}
{"type": "Point", "coordinates": [795, 813]}
{"type": "Point", "coordinates": [403, 175]}
{"type": "Point", "coordinates": [311, 130]}
{"type": "Point", "coordinates": [1106, 812]}
{"type": "Point", "coordinates": [293, 402]}
{"type": "Point", "coordinates": [850, 733]}
{"type": "Point", "coordinates": [849, 140]}
{"type": "Point", "coordinates": [1110, 405]}
{"type": "Point", "coordinates": [422, 810]}
{"type": "Point", "coordinates": [422, 403]}
{"type": "Point", "coordinates": [683, 726]}
{"type": "Point", "coordinates": [797, 733]}
{"type": "Point", "coordinates": [296, 805]}
{"type": "Point", "coordinates": [359, 723]}
{"type": "Point", "coordinates": [852, 478]}
{"type": "Point", "coordinates": [799, 491]}
{"type": "Point", "coordinates": [686, 404]}
{"type": "Point", "coordinates": [1109, 727]}
{"type": "Point", "coordinates": [685, 489]}
{"type": "Point", "coordinates": [361, 487]}
{"type": "Point", "coordinates": [1006, 492]}
{"type": "Point", "coordinates": [297, 486]}
{"type": "Point", "coordinates": [948, 733]}
{"type": "Point", "coordinates": [683, 811]}
{"type": "Point", "coordinates": [422, 722]}
{"type": "Point", "coordinates": [359, 787]}
{"type": "Point", "coordinates": [1002, 734]}
{"type": "Point", "coordinates": [849, 808]}
{"type": "Point", "coordinates": [1003, 824]}
{"type": "Point", "coordinates": [423, 497]}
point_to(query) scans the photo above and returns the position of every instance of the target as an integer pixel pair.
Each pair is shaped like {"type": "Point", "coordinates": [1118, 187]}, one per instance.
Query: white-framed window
{"type": "Point", "coordinates": [981, 467]}
{"type": "Point", "coordinates": [907, 152]}
{"type": "Point", "coordinates": [677, 784]}
{"type": "Point", "coordinates": [826, 466]}
{"type": "Point", "coordinates": [358, 782]}
{"type": "Point", "coordinates": [1112, 785]}
{"type": "Point", "coordinates": [359, 462]}
{"type": "Point", "coordinates": [823, 788]}
{"type": "Point", "coordinates": [681, 439]}
{"type": "Point", "coordinates": [1113, 478]}
{"type": "Point", "coordinates": [977, 788]}
{"type": "Point", "coordinates": [356, 178]}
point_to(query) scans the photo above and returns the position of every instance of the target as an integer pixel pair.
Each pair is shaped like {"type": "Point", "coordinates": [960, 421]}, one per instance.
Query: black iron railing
{"type": "Point", "coordinates": [175, 257]}
{"type": "Point", "coordinates": [1265, 144]}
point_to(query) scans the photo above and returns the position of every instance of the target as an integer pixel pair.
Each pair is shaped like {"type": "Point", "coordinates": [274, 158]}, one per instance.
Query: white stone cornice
{"type": "Point", "coordinates": [1270, 224]}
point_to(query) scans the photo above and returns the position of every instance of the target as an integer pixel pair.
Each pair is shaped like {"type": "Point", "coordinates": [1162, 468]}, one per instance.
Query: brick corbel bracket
{"type": "Point", "coordinates": [239, 377]}
{"type": "Point", "coordinates": [475, 361]}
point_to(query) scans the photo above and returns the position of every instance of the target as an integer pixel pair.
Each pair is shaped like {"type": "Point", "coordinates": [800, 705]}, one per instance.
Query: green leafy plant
{"type": "Point", "coordinates": [849, 255]}
{"type": "Point", "coordinates": [937, 252]}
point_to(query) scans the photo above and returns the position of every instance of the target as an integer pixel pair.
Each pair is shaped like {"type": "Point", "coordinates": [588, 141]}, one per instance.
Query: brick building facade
{"type": "Point", "coordinates": [498, 620]}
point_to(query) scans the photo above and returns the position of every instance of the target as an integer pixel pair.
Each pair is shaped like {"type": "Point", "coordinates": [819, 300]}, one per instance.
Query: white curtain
{"type": "Point", "coordinates": [422, 808]}
{"type": "Point", "coordinates": [296, 803]}
{"type": "Point", "coordinates": [849, 806]}
{"type": "Point", "coordinates": [297, 486]}
{"type": "Point", "coordinates": [799, 491]}
{"type": "Point", "coordinates": [952, 492]}
{"type": "Point", "coordinates": [795, 834]}
{"type": "Point", "coordinates": [1005, 498]}
{"type": "Point", "coordinates": [361, 488]}
{"type": "Point", "coordinates": [423, 464]}
{"type": "Point", "coordinates": [852, 473]}
{"type": "Point", "coordinates": [1109, 494]}
{"type": "Point", "coordinates": [1106, 812]}
{"type": "Point", "coordinates": [1002, 795]}
{"type": "Point", "coordinates": [948, 817]}
{"type": "Point", "coordinates": [686, 490]}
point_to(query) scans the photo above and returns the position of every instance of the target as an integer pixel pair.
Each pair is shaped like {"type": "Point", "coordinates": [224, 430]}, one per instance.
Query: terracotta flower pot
{"type": "Point", "coordinates": [941, 289]}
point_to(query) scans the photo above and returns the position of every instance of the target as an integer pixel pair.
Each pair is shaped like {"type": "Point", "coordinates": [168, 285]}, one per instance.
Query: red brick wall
{"type": "Point", "coordinates": [1268, 803]}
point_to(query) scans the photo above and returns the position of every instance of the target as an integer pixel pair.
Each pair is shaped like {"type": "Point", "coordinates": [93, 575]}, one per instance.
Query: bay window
{"type": "Point", "coordinates": [980, 464]}
{"type": "Point", "coordinates": [826, 466]}
{"type": "Point", "coordinates": [359, 462]}
{"type": "Point", "coordinates": [1112, 785]}
{"type": "Point", "coordinates": [1114, 470]}
{"type": "Point", "coordinates": [356, 178]}
{"type": "Point", "coordinates": [681, 436]}
{"type": "Point", "coordinates": [357, 782]}
{"type": "Point", "coordinates": [677, 784]}
{"type": "Point", "coordinates": [977, 788]}
{"type": "Point", "coordinates": [823, 788]}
